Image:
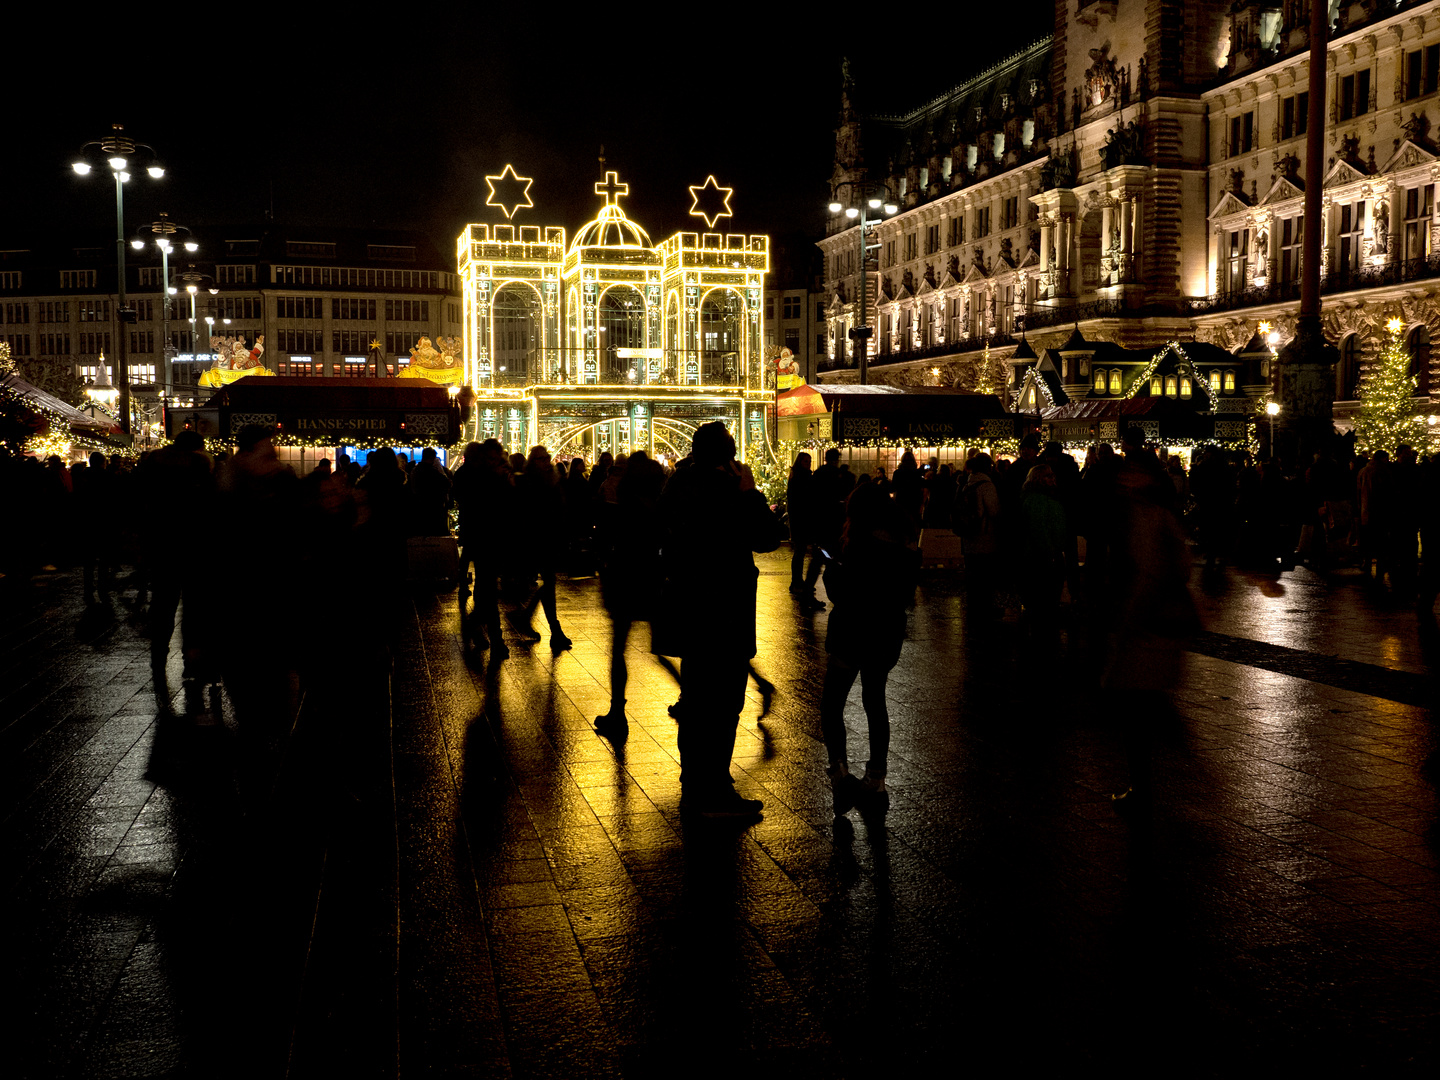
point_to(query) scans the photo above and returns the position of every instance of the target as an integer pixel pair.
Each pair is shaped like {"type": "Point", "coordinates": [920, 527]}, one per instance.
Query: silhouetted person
{"type": "Point", "coordinates": [870, 582]}
{"type": "Point", "coordinates": [541, 540]}
{"type": "Point", "coordinates": [629, 573]}
{"type": "Point", "coordinates": [714, 518]}
{"type": "Point", "coordinates": [1152, 614]}
{"type": "Point", "coordinates": [177, 495]}
{"type": "Point", "coordinates": [977, 523]}
{"type": "Point", "coordinates": [1043, 533]}
{"type": "Point", "coordinates": [800, 512]}
{"type": "Point", "coordinates": [829, 490]}
{"type": "Point", "coordinates": [429, 488]}
{"type": "Point", "coordinates": [485, 496]}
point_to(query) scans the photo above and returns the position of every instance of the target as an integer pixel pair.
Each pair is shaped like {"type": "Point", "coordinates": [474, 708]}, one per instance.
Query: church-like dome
{"type": "Point", "coordinates": [611, 229]}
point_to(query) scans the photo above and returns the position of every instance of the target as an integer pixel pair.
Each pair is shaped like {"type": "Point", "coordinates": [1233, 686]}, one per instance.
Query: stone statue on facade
{"type": "Point", "coordinates": [1382, 226]}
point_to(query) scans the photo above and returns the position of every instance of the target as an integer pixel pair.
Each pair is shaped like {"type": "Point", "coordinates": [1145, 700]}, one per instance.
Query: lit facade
{"type": "Point", "coordinates": [1138, 173]}
{"type": "Point", "coordinates": [612, 342]}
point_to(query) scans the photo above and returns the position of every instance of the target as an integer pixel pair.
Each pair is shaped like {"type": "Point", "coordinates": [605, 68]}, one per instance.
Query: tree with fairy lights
{"type": "Point", "coordinates": [1387, 414]}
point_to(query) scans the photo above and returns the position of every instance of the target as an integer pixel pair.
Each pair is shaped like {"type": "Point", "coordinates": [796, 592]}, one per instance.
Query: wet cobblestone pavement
{"type": "Point", "coordinates": [441, 872]}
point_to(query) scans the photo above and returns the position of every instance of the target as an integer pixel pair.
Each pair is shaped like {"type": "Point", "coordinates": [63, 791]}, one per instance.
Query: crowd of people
{"type": "Point", "coordinates": [673, 545]}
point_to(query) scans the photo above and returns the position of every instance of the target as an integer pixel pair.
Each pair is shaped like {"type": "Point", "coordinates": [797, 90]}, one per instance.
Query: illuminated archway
{"type": "Point", "coordinates": [516, 329]}
{"type": "Point", "coordinates": [723, 345]}
{"type": "Point", "coordinates": [622, 328]}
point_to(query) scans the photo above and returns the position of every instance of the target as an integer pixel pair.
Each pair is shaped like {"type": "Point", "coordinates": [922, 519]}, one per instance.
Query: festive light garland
{"type": "Point", "coordinates": [1387, 416]}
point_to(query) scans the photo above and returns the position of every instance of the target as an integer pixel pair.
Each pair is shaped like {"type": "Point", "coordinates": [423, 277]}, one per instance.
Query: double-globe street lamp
{"type": "Point", "coordinates": [117, 148]}
{"type": "Point", "coordinates": [869, 195]}
{"type": "Point", "coordinates": [162, 231]}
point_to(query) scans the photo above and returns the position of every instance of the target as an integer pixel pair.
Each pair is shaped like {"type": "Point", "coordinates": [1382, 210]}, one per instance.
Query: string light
{"type": "Point", "coordinates": [509, 177]}
{"type": "Point", "coordinates": [698, 190]}
{"type": "Point", "coordinates": [566, 291]}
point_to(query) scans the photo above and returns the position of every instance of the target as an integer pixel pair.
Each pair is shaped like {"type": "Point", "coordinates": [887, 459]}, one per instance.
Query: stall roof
{"type": "Point", "coordinates": [75, 418]}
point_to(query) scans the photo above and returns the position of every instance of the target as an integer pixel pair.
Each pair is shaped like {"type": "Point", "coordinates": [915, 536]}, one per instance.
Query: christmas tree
{"type": "Point", "coordinates": [1387, 414]}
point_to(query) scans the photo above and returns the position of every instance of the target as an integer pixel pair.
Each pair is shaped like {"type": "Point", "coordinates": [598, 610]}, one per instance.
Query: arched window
{"type": "Point", "coordinates": [1347, 371]}
{"type": "Point", "coordinates": [1229, 382]}
{"type": "Point", "coordinates": [1419, 349]}
{"type": "Point", "coordinates": [1099, 380]}
{"type": "Point", "coordinates": [1185, 388]}
{"type": "Point", "coordinates": [1157, 386]}
{"type": "Point", "coordinates": [1169, 385]}
{"type": "Point", "coordinates": [1215, 380]}
{"type": "Point", "coordinates": [1115, 380]}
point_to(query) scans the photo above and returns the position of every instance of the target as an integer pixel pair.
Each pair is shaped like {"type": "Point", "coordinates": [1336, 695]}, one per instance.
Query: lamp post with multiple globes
{"type": "Point", "coordinates": [117, 149]}
{"type": "Point", "coordinates": [162, 231]}
{"type": "Point", "coordinates": [868, 195]}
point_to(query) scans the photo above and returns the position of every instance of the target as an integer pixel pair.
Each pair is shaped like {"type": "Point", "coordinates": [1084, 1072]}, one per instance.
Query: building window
{"type": "Point", "coordinates": [299, 307]}
{"type": "Point", "coordinates": [1115, 380]}
{"type": "Point", "coordinates": [1419, 349]}
{"type": "Point", "coordinates": [1422, 71]}
{"type": "Point", "coordinates": [1242, 133]}
{"type": "Point", "coordinates": [982, 222]}
{"type": "Point", "coordinates": [819, 344]}
{"type": "Point", "coordinates": [1157, 386]}
{"type": "Point", "coordinates": [1292, 235]}
{"type": "Point", "coordinates": [94, 310]}
{"type": "Point", "coordinates": [1099, 385]}
{"type": "Point", "coordinates": [1215, 381]}
{"type": "Point", "coordinates": [1352, 229]}
{"type": "Point", "coordinates": [1229, 382]}
{"type": "Point", "coordinates": [1009, 212]}
{"type": "Point", "coordinates": [1355, 95]}
{"type": "Point", "coordinates": [912, 246]}
{"type": "Point", "coordinates": [1170, 385]}
{"type": "Point", "coordinates": [1184, 387]}
{"type": "Point", "coordinates": [1239, 257]}
{"type": "Point", "coordinates": [20, 313]}
{"type": "Point", "coordinates": [956, 234]}
{"type": "Point", "coordinates": [932, 239]}
{"type": "Point", "coordinates": [1294, 115]}
{"type": "Point", "coordinates": [9, 279]}
{"type": "Point", "coordinates": [235, 275]}
{"type": "Point", "coordinates": [1419, 208]}
{"type": "Point", "coordinates": [820, 312]}
{"type": "Point", "coordinates": [1347, 371]}
{"type": "Point", "coordinates": [769, 308]}
{"type": "Point", "coordinates": [353, 309]}
{"type": "Point", "coordinates": [77, 279]}
{"type": "Point", "coordinates": [791, 307]}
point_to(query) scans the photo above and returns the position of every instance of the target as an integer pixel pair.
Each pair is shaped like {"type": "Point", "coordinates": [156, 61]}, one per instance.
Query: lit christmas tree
{"type": "Point", "coordinates": [1387, 414]}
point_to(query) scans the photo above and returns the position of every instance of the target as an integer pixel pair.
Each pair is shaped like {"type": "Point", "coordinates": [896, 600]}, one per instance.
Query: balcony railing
{"type": "Point", "coordinates": [1337, 281]}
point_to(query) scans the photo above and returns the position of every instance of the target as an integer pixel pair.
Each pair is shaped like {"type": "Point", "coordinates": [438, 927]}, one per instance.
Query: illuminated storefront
{"type": "Point", "coordinates": [612, 342]}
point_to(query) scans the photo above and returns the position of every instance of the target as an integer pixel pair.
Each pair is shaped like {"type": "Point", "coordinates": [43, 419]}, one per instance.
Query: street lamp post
{"type": "Point", "coordinates": [163, 230]}
{"type": "Point", "coordinates": [1272, 410]}
{"type": "Point", "coordinates": [117, 147]}
{"type": "Point", "coordinates": [871, 195]}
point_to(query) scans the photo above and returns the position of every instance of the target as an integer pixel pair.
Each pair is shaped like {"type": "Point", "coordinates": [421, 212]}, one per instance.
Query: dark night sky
{"type": "Point", "coordinates": [352, 128]}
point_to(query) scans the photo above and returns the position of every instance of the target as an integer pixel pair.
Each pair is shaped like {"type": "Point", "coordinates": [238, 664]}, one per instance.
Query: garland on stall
{"type": "Point", "coordinates": [1143, 379]}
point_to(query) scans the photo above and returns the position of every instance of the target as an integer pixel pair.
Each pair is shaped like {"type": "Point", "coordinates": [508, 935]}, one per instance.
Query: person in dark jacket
{"type": "Point", "coordinates": [629, 543]}
{"type": "Point", "coordinates": [871, 583]}
{"type": "Point", "coordinates": [485, 497]}
{"type": "Point", "coordinates": [713, 518]}
{"type": "Point", "coordinates": [800, 511]}
{"type": "Point", "coordinates": [542, 536]}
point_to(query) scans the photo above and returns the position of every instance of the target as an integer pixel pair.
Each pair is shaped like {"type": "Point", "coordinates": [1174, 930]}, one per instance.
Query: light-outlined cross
{"type": "Point", "coordinates": [611, 188]}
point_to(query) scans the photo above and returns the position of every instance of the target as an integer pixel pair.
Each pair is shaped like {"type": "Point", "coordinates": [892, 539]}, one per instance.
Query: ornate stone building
{"type": "Point", "coordinates": [1138, 174]}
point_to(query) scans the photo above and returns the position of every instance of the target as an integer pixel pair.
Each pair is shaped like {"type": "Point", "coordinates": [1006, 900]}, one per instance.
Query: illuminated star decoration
{"type": "Point", "coordinates": [717, 201]}
{"type": "Point", "coordinates": [518, 196]}
{"type": "Point", "coordinates": [1395, 325]}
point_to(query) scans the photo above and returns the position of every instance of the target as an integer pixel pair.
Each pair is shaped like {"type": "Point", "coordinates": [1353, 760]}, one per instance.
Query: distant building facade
{"type": "Point", "coordinates": [322, 298]}
{"type": "Point", "coordinates": [1138, 174]}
